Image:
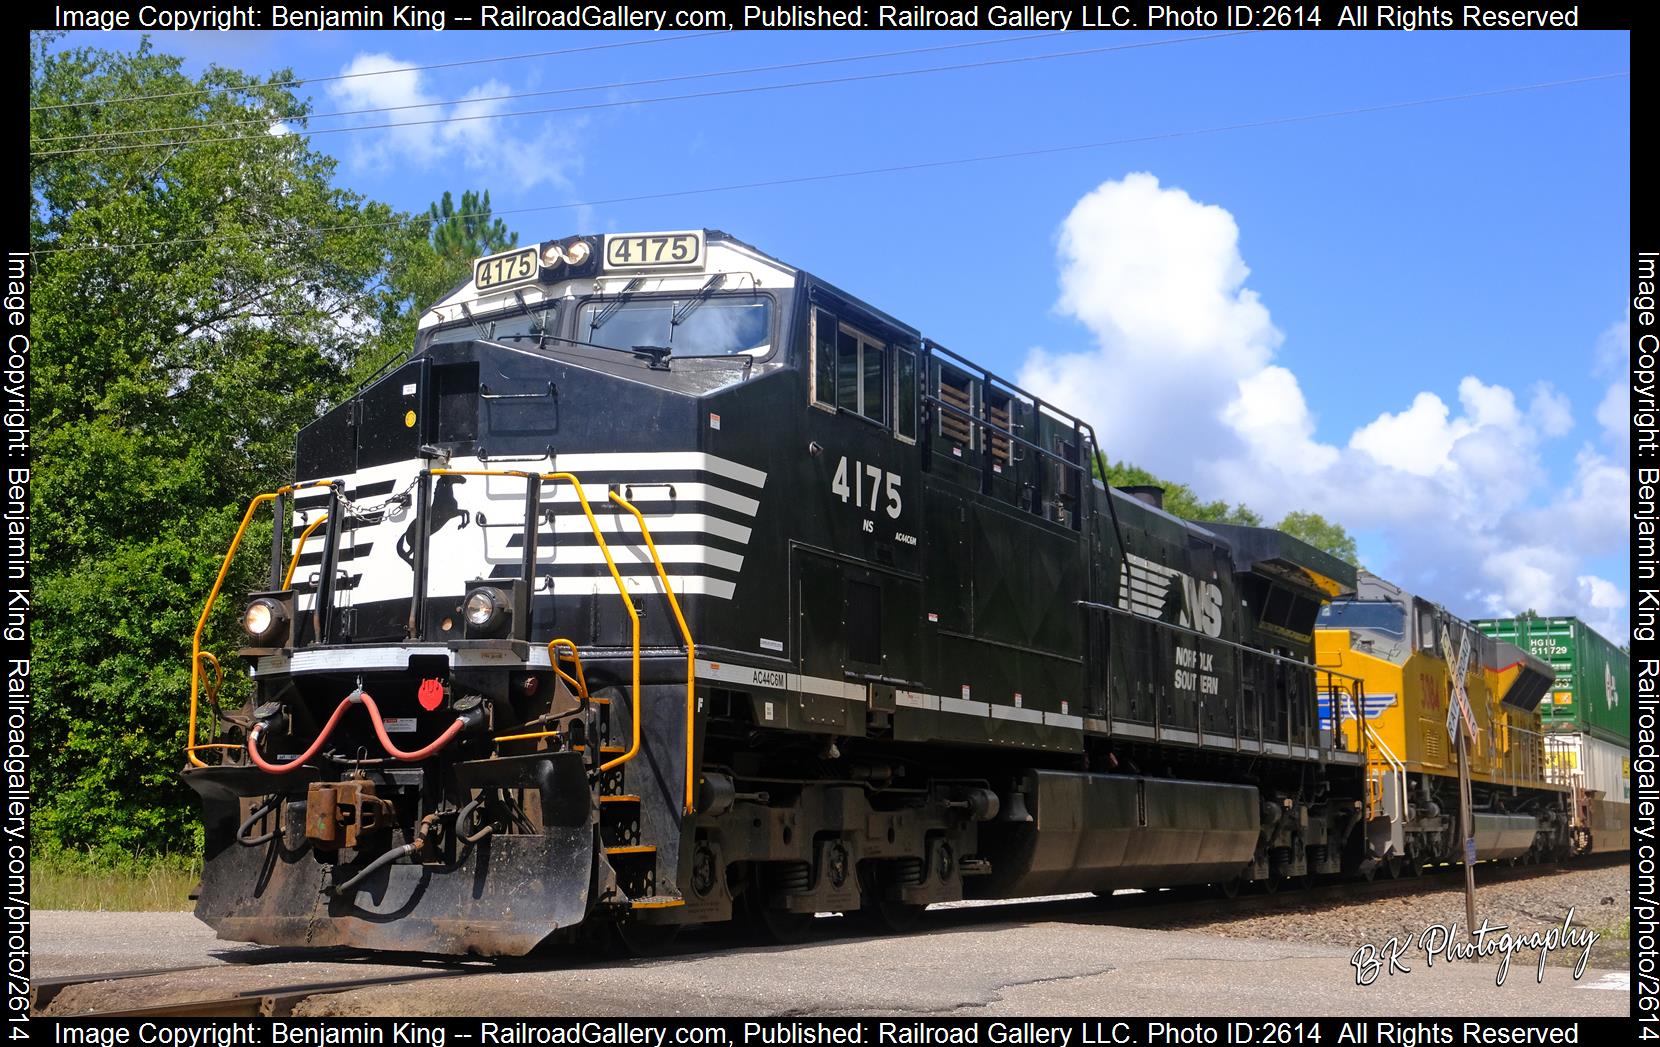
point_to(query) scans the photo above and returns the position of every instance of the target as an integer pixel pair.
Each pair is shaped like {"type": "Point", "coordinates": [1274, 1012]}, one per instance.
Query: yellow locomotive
{"type": "Point", "coordinates": [1435, 691]}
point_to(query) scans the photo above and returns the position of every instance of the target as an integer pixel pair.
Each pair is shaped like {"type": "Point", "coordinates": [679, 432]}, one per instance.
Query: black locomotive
{"type": "Point", "coordinates": [665, 583]}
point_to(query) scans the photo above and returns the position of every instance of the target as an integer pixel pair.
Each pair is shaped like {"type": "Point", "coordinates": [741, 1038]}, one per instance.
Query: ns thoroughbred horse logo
{"type": "Point", "coordinates": [444, 509]}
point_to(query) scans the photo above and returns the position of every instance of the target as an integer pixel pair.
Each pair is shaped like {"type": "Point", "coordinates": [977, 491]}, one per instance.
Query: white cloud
{"type": "Point", "coordinates": [1614, 414]}
{"type": "Point", "coordinates": [430, 130]}
{"type": "Point", "coordinates": [1158, 279]}
{"type": "Point", "coordinates": [1603, 603]}
{"type": "Point", "coordinates": [1613, 348]}
{"type": "Point", "coordinates": [1550, 410]}
{"type": "Point", "coordinates": [1182, 380]}
{"type": "Point", "coordinates": [1418, 440]}
{"type": "Point", "coordinates": [1270, 415]}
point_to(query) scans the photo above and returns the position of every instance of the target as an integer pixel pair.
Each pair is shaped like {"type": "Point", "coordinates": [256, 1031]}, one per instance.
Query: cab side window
{"type": "Point", "coordinates": [861, 371]}
{"type": "Point", "coordinates": [851, 370]}
{"type": "Point", "coordinates": [824, 359]}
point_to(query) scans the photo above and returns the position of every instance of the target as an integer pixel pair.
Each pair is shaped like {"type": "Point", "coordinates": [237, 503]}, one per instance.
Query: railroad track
{"type": "Point", "coordinates": [263, 1001]}
{"type": "Point", "coordinates": [1198, 905]}
{"type": "Point", "coordinates": [1164, 909]}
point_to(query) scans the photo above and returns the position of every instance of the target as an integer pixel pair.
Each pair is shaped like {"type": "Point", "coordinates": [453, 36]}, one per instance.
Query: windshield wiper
{"type": "Point", "coordinates": [537, 320]}
{"type": "Point", "coordinates": [657, 356]}
{"type": "Point", "coordinates": [612, 306]}
{"type": "Point", "coordinates": [690, 305]}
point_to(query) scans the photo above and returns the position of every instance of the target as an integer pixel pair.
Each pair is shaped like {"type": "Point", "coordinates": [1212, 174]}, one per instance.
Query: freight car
{"type": "Point", "coordinates": [1587, 722]}
{"type": "Point", "coordinates": [667, 583]}
{"type": "Point", "coordinates": [1429, 680]}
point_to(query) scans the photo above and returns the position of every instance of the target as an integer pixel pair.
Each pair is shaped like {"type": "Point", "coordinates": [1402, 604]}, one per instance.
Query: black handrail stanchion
{"type": "Point", "coordinates": [276, 541]}
{"type": "Point", "coordinates": [522, 599]}
{"type": "Point", "coordinates": [416, 628]}
{"type": "Point", "coordinates": [320, 610]}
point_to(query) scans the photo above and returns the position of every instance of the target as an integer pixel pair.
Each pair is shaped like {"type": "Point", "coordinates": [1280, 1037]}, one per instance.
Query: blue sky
{"type": "Point", "coordinates": [1465, 251]}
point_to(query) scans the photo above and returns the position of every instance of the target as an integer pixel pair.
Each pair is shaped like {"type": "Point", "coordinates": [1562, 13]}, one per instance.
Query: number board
{"type": "Point", "coordinates": [505, 270]}
{"type": "Point", "coordinates": [653, 250]}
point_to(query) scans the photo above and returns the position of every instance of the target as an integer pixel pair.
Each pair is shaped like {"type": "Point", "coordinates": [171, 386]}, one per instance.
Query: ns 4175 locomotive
{"type": "Point", "coordinates": [665, 583]}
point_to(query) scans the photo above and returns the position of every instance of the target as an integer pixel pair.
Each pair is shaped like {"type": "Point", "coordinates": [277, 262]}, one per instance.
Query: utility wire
{"type": "Point", "coordinates": [513, 96]}
{"type": "Point", "coordinates": [724, 93]}
{"type": "Point", "coordinates": [378, 72]}
{"type": "Point", "coordinates": [897, 168]}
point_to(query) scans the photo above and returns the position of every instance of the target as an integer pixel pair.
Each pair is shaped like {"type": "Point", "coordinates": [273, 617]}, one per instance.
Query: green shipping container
{"type": "Point", "coordinates": [1593, 676]}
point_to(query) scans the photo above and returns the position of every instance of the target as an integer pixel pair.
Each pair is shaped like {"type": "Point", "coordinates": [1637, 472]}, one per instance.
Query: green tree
{"type": "Point", "coordinates": [193, 304]}
{"type": "Point", "coordinates": [461, 235]}
{"type": "Point", "coordinates": [430, 257]}
{"type": "Point", "coordinates": [1179, 499]}
{"type": "Point", "coordinates": [1321, 533]}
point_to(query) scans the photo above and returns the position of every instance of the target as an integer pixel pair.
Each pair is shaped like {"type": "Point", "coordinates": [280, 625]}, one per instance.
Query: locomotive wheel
{"type": "Point", "coordinates": [1414, 865]}
{"type": "Point", "coordinates": [1392, 867]}
{"type": "Point", "coordinates": [783, 928]}
{"type": "Point", "coordinates": [1269, 884]}
{"type": "Point", "coordinates": [1228, 888]}
{"type": "Point", "coordinates": [891, 917]}
{"type": "Point", "coordinates": [773, 926]}
{"type": "Point", "coordinates": [881, 915]}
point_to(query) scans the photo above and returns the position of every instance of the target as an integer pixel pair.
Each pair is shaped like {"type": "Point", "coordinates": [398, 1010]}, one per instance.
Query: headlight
{"type": "Point", "coordinates": [485, 609]}
{"type": "Point", "coordinates": [263, 619]}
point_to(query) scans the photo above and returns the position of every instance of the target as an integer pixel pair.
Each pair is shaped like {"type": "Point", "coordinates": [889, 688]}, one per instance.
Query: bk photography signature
{"type": "Point", "coordinates": [1448, 942]}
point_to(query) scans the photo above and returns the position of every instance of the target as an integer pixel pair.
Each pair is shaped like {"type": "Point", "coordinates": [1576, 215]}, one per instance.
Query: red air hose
{"type": "Point", "coordinates": [328, 728]}
{"type": "Point", "coordinates": [419, 754]}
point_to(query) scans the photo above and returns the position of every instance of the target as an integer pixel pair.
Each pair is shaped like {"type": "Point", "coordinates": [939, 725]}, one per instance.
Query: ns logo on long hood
{"type": "Point", "coordinates": [1155, 591]}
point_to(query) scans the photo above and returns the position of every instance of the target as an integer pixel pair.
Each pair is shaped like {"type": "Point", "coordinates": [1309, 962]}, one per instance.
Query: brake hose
{"type": "Point", "coordinates": [359, 695]}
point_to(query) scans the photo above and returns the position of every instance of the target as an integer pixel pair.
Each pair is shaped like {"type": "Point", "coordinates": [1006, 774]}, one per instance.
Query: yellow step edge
{"type": "Point", "coordinates": [619, 798]}
{"type": "Point", "coordinates": [603, 749]}
{"type": "Point", "coordinates": [664, 903]}
{"type": "Point", "coordinates": [600, 701]}
{"type": "Point", "coordinates": [630, 850]}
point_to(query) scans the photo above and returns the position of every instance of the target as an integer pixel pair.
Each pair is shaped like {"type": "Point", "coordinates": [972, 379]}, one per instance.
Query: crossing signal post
{"type": "Point", "coordinates": [1458, 709]}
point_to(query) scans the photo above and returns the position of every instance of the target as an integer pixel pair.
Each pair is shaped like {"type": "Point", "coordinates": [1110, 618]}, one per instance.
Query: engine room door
{"type": "Point", "coordinates": [853, 624]}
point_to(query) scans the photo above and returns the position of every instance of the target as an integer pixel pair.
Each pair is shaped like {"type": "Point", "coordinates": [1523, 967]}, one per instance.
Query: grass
{"type": "Point", "coordinates": [159, 883]}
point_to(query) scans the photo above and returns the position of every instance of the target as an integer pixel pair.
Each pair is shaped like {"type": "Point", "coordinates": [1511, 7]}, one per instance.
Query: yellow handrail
{"type": "Point", "coordinates": [628, 604]}
{"type": "Point", "coordinates": [685, 634]}
{"type": "Point", "coordinates": [288, 576]}
{"type": "Point", "coordinates": [190, 746]}
{"type": "Point", "coordinates": [580, 684]}
{"type": "Point", "coordinates": [616, 576]}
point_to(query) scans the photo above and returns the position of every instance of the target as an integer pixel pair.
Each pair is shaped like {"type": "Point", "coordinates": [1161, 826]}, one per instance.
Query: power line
{"type": "Point", "coordinates": [379, 72]}
{"type": "Point", "coordinates": [556, 91]}
{"type": "Point", "coordinates": [726, 92]}
{"type": "Point", "coordinates": [898, 168]}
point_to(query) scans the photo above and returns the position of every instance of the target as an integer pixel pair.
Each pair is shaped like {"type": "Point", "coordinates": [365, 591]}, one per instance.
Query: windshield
{"type": "Point", "coordinates": [713, 326]}
{"type": "Point", "coordinates": [513, 328]}
{"type": "Point", "coordinates": [1377, 615]}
